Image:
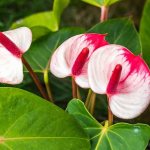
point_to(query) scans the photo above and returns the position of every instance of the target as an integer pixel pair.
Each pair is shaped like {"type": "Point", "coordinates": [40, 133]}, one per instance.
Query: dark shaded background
{"type": "Point", "coordinates": [77, 14]}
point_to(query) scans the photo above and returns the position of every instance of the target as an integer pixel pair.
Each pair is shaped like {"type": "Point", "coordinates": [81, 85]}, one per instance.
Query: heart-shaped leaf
{"type": "Point", "coordinates": [120, 31]}
{"type": "Point", "coordinates": [145, 32]}
{"type": "Point", "coordinates": [120, 136]}
{"type": "Point", "coordinates": [28, 122]}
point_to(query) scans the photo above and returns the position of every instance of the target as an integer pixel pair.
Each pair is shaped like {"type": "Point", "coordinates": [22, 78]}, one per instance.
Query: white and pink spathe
{"type": "Point", "coordinates": [13, 44]}
{"type": "Point", "coordinates": [71, 57]}
{"type": "Point", "coordinates": [124, 77]}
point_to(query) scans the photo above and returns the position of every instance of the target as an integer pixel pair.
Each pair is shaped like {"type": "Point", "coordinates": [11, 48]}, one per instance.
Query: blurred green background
{"type": "Point", "coordinates": [77, 14]}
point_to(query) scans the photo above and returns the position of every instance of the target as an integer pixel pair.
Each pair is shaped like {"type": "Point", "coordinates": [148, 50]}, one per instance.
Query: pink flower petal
{"type": "Point", "coordinates": [65, 55]}
{"type": "Point", "coordinates": [128, 106]}
{"type": "Point", "coordinates": [17, 41]}
{"type": "Point", "coordinates": [22, 37]}
{"type": "Point", "coordinates": [102, 63]}
{"type": "Point", "coordinates": [11, 69]}
{"type": "Point", "coordinates": [132, 94]}
{"type": "Point", "coordinates": [59, 65]}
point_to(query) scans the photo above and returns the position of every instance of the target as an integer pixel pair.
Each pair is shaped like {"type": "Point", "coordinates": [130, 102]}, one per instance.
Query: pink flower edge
{"type": "Point", "coordinates": [132, 95]}
{"type": "Point", "coordinates": [64, 57]}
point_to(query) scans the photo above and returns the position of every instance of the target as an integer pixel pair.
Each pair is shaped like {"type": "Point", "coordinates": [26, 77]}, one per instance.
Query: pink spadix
{"type": "Point", "coordinates": [80, 61]}
{"type": "Point", "coordinates": [114, 79]}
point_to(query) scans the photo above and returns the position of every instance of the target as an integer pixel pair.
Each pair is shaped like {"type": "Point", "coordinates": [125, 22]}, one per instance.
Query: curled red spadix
{"type": "Point", "coordinates": [80, 61]}
{"type": "Point", "coordinates": [9, 45]}
{"type": "Point", "coordinates": [114, 79]}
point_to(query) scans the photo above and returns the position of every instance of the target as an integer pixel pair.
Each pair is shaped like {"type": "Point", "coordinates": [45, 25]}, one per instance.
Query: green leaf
{"type": "Point", "coordinates": [39, 31]}
{"type": "Point", "coordinates": [48, 20]}
{"type": "Point", "coordinates": [42, 49]}
{"type": "Point", "coordinates": [64, 88]}
{"type": "Point", "coordinates": [99, 3]}
{"type": "Point", "coordinates": [28, 122]}
{"type": "Point", "coordinates": [120, 136]}
{"type": "Point", "coordinates": [43, 19]}
{"type": "Point", "coordinates": [120, 31]}
{"type": "Point", "coordinates": [145, 32]}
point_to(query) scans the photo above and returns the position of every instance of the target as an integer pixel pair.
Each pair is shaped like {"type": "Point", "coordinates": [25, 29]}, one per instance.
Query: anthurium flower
{"type": "Point", "coordinates": [124, 77]}
{"type": "Point", "coordinates": [13, 44]}
{"type": "Point", "coordinates": [71, 57]}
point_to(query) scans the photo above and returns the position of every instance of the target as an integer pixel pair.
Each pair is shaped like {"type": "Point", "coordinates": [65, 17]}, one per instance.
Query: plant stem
{"type": "Point", "coordinates": [35, 78]}
{"type": "Point", "coordinates": [104, 13]}
{"type": "Point", "coordinates": [88, 98]}
{"type": "Point", "coordinates": [110, 115]}
{"type": "Point", "coordinates": [47, 84]}
{"type": "Point", "coordinates": [90, 101]}
{"type": "Point", "coordinates": [78, 93]}
{"type": "Point", "coordinates": [46, 81]}
{"type": "Point", "coordinates": [74, 88]}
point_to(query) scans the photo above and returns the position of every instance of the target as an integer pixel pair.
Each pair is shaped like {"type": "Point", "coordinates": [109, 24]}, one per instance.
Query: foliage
{"type": "Point", "coordinates": [45, 21]}
{"type": "Point", "coordinates": [120, 31]}
{"type": "Point", "coordinates": [29, 122]}
{"type": "Point", "coordinates": [110, 137]}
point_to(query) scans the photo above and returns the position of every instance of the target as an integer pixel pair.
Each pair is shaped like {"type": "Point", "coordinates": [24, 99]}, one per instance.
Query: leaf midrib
{"type": "Point", "coordinates": [115, 41]}
{"type": "Point", "coordinates": [38, 138]}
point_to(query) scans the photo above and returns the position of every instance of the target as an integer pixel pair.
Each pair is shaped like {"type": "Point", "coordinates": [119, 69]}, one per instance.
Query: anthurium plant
{"type": "Point", "coordinates": [75, 88]}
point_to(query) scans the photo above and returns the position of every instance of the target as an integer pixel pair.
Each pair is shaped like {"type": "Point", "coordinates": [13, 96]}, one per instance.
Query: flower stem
{"type": "Point", "coordinates": [104, 13]}
{"type": "Point", "coordinates": [35, 78]}
{"type": "Point", "coordinates": [46, 81]}
{"type": "Point", "coordinates": [110, 115]}
{"type": "Point", "coordinates": [78, 93]}
{"type": "Point", "coordinates": [88, 98]}
{"type": "Point", "coordinates": [90, 101]}
{"type": "Point", "coordinates": [74, 88]}
{"type": "Point", "coordinates": [47, 84]}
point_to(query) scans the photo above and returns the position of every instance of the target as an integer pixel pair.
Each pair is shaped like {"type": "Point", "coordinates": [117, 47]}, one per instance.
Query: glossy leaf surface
{"type": "Point", "coordinates": [28, 122]}
{"type": "Point", "coordinates": [120, 136]}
